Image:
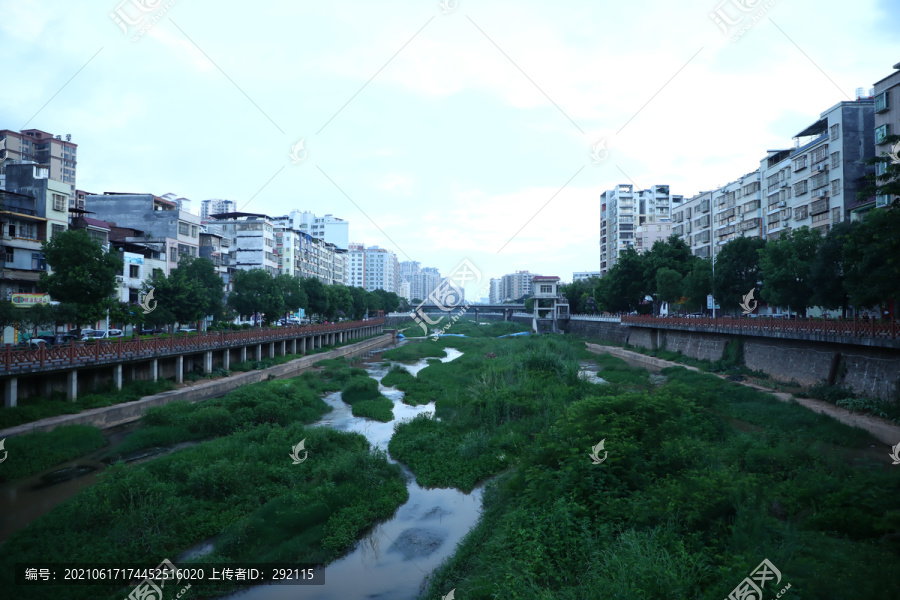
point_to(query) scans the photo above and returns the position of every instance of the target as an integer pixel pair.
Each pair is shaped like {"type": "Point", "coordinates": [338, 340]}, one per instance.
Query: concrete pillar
{"type": "Point", "coordinates": [303, 345]}
{"type": "Point", "coordinates": [258, 352]}
{"type": "Point", "coordinates": [154, 370]}
{"type": "Point", "coordinates": [179, 368]}
{"type": "Point", "coordinates": [226, 359]}
{"type": "Point", "coordinates": [72, 385]}
{"type": "Point", "coordinates": [294, 346]}
{"type": "Point", "coordinates": [117, 376]}
{"type": "Point", "coordinates": [243, 353]}
{"type": "Point", "coordinates": [207, 361]}
{"type": "Point", "coordinates": [48, 387]}
{"type": "Point", "coordinates": [11, 392]}
{"type": "Point", "coordinates": [283, 348]}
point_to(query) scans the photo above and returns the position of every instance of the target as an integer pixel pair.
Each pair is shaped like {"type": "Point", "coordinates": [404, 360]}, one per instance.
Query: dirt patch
{"type": "Point", "coordinates": [882, 430]}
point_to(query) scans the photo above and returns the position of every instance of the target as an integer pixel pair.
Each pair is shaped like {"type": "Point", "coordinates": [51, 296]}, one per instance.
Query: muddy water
{"type": "Point", "coordinates": [394, 559]}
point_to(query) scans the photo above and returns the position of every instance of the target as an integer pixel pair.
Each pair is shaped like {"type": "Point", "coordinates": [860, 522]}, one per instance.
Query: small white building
{"type": "Point", "coordinates": [549, 304]}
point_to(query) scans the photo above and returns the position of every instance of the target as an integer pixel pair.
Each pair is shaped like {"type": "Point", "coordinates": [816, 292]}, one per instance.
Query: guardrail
{"type": "Point", "coordinates": [106, 350]}
{"type": "Point", "coordinates": [595, 318]}
{"type": "Point", "coordinates": [839, 328]}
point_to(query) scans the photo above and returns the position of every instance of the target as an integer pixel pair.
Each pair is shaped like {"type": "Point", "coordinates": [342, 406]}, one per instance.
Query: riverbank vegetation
{"type": "Point", "coordinates": [361, 393]}
{"type": "Point", "coordinates": [702, 481]}
{"type": "Point", "coordinates": [34, 452]}
{"type": "Point", "coordinates": [239, 484]}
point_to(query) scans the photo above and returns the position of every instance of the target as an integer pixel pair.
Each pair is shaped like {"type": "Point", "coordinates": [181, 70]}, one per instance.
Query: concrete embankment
{"type": "Point", "coordinates": [880, 429]}
{"type": "Point", "coordinates": [111, 416]}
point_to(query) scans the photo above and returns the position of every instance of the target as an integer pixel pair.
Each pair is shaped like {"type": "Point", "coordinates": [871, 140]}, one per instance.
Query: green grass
{"type": "Point", "coordinates": [359, 388]}
{"type": "Point", "coordinates": [34, 452]}
{"type": "Point", "coordinates": [35, 409]}
{"type": "Point", "coordinates": [704, 479]}
{"type": "Point", "coordinates": [380, 409]}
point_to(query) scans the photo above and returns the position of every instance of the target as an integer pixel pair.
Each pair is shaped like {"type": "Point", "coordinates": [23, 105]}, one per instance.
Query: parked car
{"type": "Point", "coordinates": [115, 333]}
{"type": "Point", "coordinates": [186, 330]}
{"type": "Point", "coordinates": [93, 334]}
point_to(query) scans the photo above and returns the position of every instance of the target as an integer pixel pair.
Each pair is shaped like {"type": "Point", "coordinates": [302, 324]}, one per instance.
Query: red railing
{"type": "Point", "coordinates": [117, 349]}
{"type": "Point", "coordinates": [828, 327]}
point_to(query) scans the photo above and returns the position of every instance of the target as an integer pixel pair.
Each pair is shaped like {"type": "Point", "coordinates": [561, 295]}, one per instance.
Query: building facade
{"type": "Point", "coordinates": [33, 145]}
{"type": "Point", "coordinates": [328, 228]}
{"type": "Point", "coordinates": [215, 207]}
{"type": "Point", "coordinates": [886, 122]}
{"type": "Point", "coordinates": [623, 209]}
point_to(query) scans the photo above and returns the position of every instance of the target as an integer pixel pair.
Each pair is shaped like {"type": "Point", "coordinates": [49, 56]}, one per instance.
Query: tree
{"type": "Point", "coordinates": [673, 254]}
{"type": "Point", "coordinates": [872, 259]}
{"type": "Point", "coordinates": [292, 292]}
{"type": "Point", "coordinates": [35, 317]}
{"type": "Point", "coordinates": [316, 295]}
{"type": "Point", "coordinates": [340, 302]}
{"type": "Point", "coordinates": [179, 298]}
{"type": "Point", "coordinates": [203, 271]}
{"type": "Point", "coordinates": [785, 266]}
{"type": "Point", "coordinates": [623, 288]}
{"type": "Point", "coordinates": [361, 302]}
{"type": "Point", "coordinates": [83, 274]}
{"type": "Point", "coordinates": [529, 304]}
{"type": "Point", "coordinates": [669, 285]}
{"type": "Point", "coordinates": [8, 314]}
{"type": "Point", "coordinates": [827, 272]}
{"type": "Point", "coordinates": [389, 300]}
{"type": "Point", "coordinates": [698, 284]}
{"type": "Point", "coordinates": [737, 271]}
{"type": "Point", "coordinates": [126, 314]}
{"type": "Point", "coordinates": [255, 291]}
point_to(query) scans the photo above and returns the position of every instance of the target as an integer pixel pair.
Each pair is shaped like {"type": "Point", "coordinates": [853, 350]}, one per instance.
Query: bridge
{"type": "Point", "coordinates": [507, 310]}
{"type": "Point", "coordinates": [43, 370]}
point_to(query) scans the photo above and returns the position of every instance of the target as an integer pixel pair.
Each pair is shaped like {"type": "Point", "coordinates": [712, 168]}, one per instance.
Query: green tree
{"type": "Point", "coordinates": [669, 285]}
{"type": "Point", "coordinates": [826, 273]}
{"type": "Point", "coordinates": [361, 302]}
{"type": "Point", "coordinates": [737, 271]}
{"type": "Point", "coordinates": [292, 292]}
{"type": "Point", "coordinates": [340, 301]}
{"type": "Point", "coordinates": [316, 295]}
{"type": "Point", "coordinates": [255, 291]}
{"type": "Point", "coordinates": [179, 298]}
{"type": "Point", "coordinates": [83, 273]}
{"type": "Point", "coordinates": [203, 271]}
{"type": "Point", "coordinates": [785, 265]}
{"type": "Point", "coordinates": [698, 284]}
{"type": "Point", "coordinates": [673, 254]}
{"type": "Point", "coordinates": [872, 259]}
{"type": "Point", "coordinates": [623, 289]}
{"type": "Point", "coordinates": [35, 317]}
{"type": "Point", "coordinates": [123, 313]}
{"type": "Point", "coordinates": [389, 300]}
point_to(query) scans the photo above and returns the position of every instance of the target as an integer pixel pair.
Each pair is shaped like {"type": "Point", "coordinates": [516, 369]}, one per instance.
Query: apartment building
{"type": "Point", "coordinates": [328, 228]}
{"type": "Point", "coordinates": [511, 286]}
{"type": "Point", "coordinates": [170, 232]}
{"type": "Point", "coordinates": [692, 221]}
{"type": "Point", "coordinates": [496, 288]}
{"type": "Point", "coordinates": [33, 145]}
{"type": "Point", "coordinates": [816, 183]}
{"type": "Point", "coordinates": [623, 209]}
{"type": "Point", "coordinates": [22, 232]}
{"type": "Point", "coordinates": [215, 207]}
{"type": "Point", "coordinates": [584, 275]}
{"type": "Point", "coordinates": [649, 233]}
{"type": "Point", "coordinates": [886, 122]}
{"type": "Point", "coordinates": [252, 240]}
{"type": "Point", "coordinates": [381, 268]}
{"type": "Point", "coordinates": [51, 195]}
{"type": "Point", "coordinates": [356, 265]}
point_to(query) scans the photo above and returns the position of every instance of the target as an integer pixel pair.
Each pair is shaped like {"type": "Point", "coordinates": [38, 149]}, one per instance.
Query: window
{"type": "Point", "coordinates": [173, 253]}
{"type": "Point", "coordinates": [836, 131]}
{"type": "Point", "coordinates": [36, 261]}
{"type": "Point", "coordinates": [134, 271]}
{"type": "Point", "coordinates": [836, 187]}
{"type": "Point", "coordinates": [27, 231]}
{"type": "Point", "coordinates": [800, 213]}
{"type": "Point", "coordinates": [194, 230]}
{"type": "Point", "coordinates": [881, 102]}
{"type": "Point", "coordinates": [60, 202]}
{"type": "Point", "coordinates": [57, 228]}
{"type": "Point", "coordinates": [820, 153]}
{"type": "Point", "coordinates": [183, 228]}
{"type": "Point", "coordinates": [836, 160]}
{"type": "Point", "coordinates": [836, 214]}
{"type": "Point", "coordinates": [800, 163]}
{"type": "Point", "coordinates": [820, 217]}
{"type": "Point", "coordinates": [800, 188]}
{"type": "Point", "coordinates": [546, 289]}
{"type": "Point", "coordinates": [882, 132]}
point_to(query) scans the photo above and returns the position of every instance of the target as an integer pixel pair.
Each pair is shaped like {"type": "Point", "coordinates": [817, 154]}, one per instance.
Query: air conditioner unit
{"type": "Point", "coordinates": [782, 204]}
{"type": "Point", "coordinates": [120, 279]}
{"type": "Point", "coordinates": [785, 184]}
{"type": "Point", "coordinates": [822, 194]}
{"type": "Point", "coordinates": [821, 167]}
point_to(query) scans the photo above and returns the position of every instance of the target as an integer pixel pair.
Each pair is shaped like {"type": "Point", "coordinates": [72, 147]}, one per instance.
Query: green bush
{"type": "Point", "coordinates": [380, 409]}
{"type": "Point", "coordinates": [32, 453]}
{"type": "Point", "coordinates": [360, 388]}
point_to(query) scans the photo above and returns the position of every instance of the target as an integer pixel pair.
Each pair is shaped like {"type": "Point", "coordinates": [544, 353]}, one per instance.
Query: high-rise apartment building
{"type": "Point", "coordinates": [252, 240]}
{"type": "Point", "coordinates": [623, 209]}
{"type": "Point", "coordinates": [816, 183]}
{"type": "Point", "coordinates": [215, 207]}
{"type": "Point", "coordinates": [887, 122]}
{"type": "Point", "coordinates": [512, 286]}
{"type": "Point", "coordinates": [381, 268]}
{"type": "Point", "coordinates": [328, 228]}
{"type": "Point", "coordinates": [50, 151]}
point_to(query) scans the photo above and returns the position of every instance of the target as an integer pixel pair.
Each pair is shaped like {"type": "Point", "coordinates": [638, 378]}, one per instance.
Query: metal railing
{"type": "Point", "coordinates": [612, 319]}
{"type": "Point", "coordinates": [831, 327]}
{"type": "Point", "coordinates": [22, 360]}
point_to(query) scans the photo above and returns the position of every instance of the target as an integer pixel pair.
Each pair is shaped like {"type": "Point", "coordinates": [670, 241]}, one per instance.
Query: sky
{"type": "Point", "coordinates": [444, 131]}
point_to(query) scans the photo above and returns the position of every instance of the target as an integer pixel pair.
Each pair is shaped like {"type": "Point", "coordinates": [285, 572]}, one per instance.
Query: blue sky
{"type": "Point", "coordinates": [464, 134]}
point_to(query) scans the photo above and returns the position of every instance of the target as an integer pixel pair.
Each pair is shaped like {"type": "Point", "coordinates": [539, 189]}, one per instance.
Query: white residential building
{"type": "Point", "coordinates": [215, 207]}
{"type": "Point", "coordinates": [328, 228]}
{"type": "Point", "coordinates": [252, 238]}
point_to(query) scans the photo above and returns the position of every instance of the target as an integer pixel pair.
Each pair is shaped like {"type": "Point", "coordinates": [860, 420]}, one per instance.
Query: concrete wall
{"type": "Point", "coordinates": [599, 330]}
{"type": "Point", "coordinates": [708, 346]}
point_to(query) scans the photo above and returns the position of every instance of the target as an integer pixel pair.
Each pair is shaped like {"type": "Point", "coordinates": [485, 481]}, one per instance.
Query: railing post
{"type": "Point", "coordinates": [119, 348]}
{"type": "Point", "coordinates": [97, 350]}
{"type": "Point", "coordinates": [71, 352]}
{"type": "Point", "coordinates": [8, 356]}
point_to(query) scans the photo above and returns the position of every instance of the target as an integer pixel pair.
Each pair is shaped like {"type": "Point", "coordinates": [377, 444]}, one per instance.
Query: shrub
{"type": "Point", "coordinates": [360, 388]}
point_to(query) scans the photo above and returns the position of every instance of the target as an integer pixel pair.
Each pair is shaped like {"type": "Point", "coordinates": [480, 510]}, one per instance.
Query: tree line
{"type": "Point", "coordinates": [856, 264]}
{"type": "Point", "coordinates": [83, 282]}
